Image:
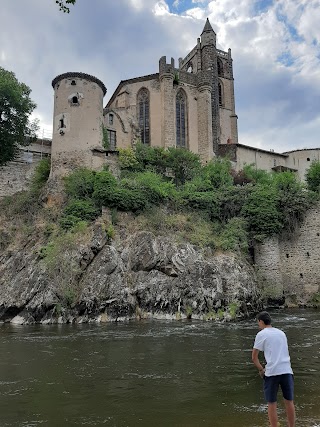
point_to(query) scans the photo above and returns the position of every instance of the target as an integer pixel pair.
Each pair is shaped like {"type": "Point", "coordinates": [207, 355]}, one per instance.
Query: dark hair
{"type": "Point", "coordinates": [265, 317]}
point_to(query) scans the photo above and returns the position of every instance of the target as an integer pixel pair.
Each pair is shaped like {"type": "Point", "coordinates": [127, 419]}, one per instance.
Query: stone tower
{"type": "Point", "coordinates": [209, 64]}
{"type": "Point", "coordinates": [77, 123]}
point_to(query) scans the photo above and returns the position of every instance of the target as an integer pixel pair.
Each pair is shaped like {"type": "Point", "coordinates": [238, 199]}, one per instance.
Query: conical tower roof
{"type": "Point", "coordinates": [207, 28]}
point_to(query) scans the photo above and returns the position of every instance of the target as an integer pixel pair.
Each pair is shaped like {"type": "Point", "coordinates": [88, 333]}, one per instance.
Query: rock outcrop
{"type": "Point", "coordinates": [137, 277]}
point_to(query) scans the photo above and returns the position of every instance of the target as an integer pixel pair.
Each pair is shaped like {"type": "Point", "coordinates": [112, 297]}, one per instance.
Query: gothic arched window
{"type": "Point", "coordinates": [181, 119]}
{"type": "Point", "coordinates": [143, 104]}
{"type": "Point", "coordinates": [220, 67]}
{"type": "Point", "coordinates": [220, 88]}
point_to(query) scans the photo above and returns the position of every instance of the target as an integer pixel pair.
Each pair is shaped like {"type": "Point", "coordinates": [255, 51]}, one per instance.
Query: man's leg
{"type": "Point", "coordinates": [287, 386]}
{"type": "Point", "coordinates": [291, 413]}
{"type": "Point", "coordinates": [272, 414]}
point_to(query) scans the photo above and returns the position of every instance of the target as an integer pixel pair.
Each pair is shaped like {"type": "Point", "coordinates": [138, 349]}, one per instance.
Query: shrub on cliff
{"type": "Point", "coordinates": [41, 175]}
{"type": "Point", "coordinates": [80, 184]}
{"type": "Point", "coordinates": [155, 187]}
{"type": "Point", "coordinates": [77, 211]}
{"type": "Point", "coordinates": [313, 176]}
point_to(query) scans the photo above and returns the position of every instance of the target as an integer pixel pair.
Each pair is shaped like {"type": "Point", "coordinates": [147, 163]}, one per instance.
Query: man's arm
{"type": "Point", "coordinates": [255, 360]}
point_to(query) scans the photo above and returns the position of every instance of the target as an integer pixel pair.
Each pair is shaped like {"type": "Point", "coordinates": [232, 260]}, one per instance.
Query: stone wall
{"type": "Point", "coordinates": [16, 176]}
{"type": "Point", "coordinates": [291, 263]}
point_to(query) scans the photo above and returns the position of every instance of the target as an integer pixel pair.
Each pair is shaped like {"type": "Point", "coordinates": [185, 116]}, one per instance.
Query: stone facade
{"type": "Point", "coordinates": [16, 175]}
{"type": "Point", "coordinates": [297, 161]}
{"type": "Point", "coordinates": [204, 119]}
{"type": "Point", "coordinates": [290, 265]}
{"type": "Point", "coordinates": [77, 123]}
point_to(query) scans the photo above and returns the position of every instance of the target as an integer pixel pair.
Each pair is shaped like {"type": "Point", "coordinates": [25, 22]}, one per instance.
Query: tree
{"type": "Point", "coordinates": [63, 5]}
{"type": "Point", "coordinates": [15, 109]}
{"type": "Point", "coordinates": [313, 176]}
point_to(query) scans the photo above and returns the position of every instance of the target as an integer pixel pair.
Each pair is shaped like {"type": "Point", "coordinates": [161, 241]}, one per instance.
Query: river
{"type": "Point", "coordinates": [151, 373]}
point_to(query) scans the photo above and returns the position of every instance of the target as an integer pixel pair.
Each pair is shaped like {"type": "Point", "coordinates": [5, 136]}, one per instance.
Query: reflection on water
{"type": "Point", "coordinates": [151, 373]}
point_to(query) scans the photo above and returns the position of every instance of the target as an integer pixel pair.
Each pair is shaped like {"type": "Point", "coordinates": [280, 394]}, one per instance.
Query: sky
{"type": "Point", "coordinates": [275, 49]}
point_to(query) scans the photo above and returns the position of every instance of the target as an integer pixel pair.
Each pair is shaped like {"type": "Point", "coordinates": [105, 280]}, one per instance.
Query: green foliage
{"type": "Point", "coordinates": [83, 209]}
{"type": "Point", "coordinates": [233, 309]}
{"type": "Point", "coordinates": [105, 138]}
{"type": "Point", "coordinates": [77, 211]}
{"type": "Point", "coordinates": [294, 200]}
{"type": "Point", "coordinates": [211, 210]}
{"type": "Point", "coordinates": [110, 232]}
{"type": "Point", "coordinates": [69, 222]}
{"type": "Point", "coordinates": [80, 184]}
{"type": "Point", "coordinates": [105, 185]}
{"type": "Point", "coordinates": [262, 213]}
{"type": "Point", "coordinates": [127, 200]}
{"type": "Point", "coordinates": [60, 258]}
{"type": "Point", "coordinates": [24, 203]}
{"type": "Point", "coordinates": [205, 201]}
{"type": "Point", "coordinates": [16, 107]}
{"type": "Point", "coordinates": [188, 311]}
{"type": "Point", "coordinates": [218, 173]}
{"type": "Point", "coordinates": [41, 175]}
{"type": "Point", "coordinates": [231, 201]}
{"type": "Point", "coordinates": [183, 164]}
{"type": "Point", "coordinates": [234, 235]}
{"type": "Point", "coordinates": [313, 176]}
{"type": "Point", "coordinates": [257, 176]}
{"type": "Point", "coordinates": [153, 158]}
{"type": "Point", "coordinates": [128, 159]}
{"type": "Point", "coordinates": [155, 187]}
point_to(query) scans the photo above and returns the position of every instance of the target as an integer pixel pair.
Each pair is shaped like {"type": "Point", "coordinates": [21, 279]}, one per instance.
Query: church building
{"type": "Point", "coordinates": [191, 106]}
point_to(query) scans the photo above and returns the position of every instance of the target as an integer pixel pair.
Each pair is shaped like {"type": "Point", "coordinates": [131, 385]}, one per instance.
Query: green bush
{"type": "Point", "coordinates": [41, 174]}
{"type": "Point", "coordinates": [83, 209]}
{"type": "Point", "coordinates": [313, 176]}
{"type": "Point", "coordinates": [104, 186]}
{"type": "Point", "coordinates": [80, 184]}
{"type": "Point", "coordinates": [68, 222]}
{"type": "Point", "coordinates": [206, 201]}
{"type": "Point", "coordinates": [231, 201]}
{"type": "Point", "coordinates": [235, 235]}
{"type": "Point", "coordinates": [257, 176]}
{"type": "Point", "coordinates": [218, 173]}
{"type": "Point", "coordinates": [128, 159]}
{"type": "Point", "coordinates": [261, 210]}
{"type": "Point", "coordinates": [152, 158]}
{"type": "Point", "coordinates": [154, 186]}
{"type": "Point", "coordinates": [183, 164]}
{"type": "Point", "coordinates": [128, 200]}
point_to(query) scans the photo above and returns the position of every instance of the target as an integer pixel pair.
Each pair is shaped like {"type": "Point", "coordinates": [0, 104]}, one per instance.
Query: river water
{"type": "Point", "coordinates": [151, 373]}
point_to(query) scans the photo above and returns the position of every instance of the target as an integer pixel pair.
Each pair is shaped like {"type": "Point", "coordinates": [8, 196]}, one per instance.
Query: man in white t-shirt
{"type": "Point", "coordinates": [278, 371]}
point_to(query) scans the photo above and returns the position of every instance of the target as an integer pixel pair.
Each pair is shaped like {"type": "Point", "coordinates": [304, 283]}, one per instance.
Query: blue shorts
{"type": "Point", "coordinates": [271, 387]}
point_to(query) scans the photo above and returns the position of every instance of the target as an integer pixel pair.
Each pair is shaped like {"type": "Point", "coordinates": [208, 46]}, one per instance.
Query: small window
{"type": "Point", "coordinates": [75, 100]}
{"type": "Point", "coordinates": [73, 83]}
{"type": "Point", "coordinates": [111, 119]}
{"type": "Point", "coordinates": [308, 159]}
{"type": "Point", "coordinates": [220, 94]}
{"type": "Point", "coordinates": [112, 139]}
{"type": "Point", "coordinates": [62, 123]}
{"type": "Point", "coordinates": [220, 67]}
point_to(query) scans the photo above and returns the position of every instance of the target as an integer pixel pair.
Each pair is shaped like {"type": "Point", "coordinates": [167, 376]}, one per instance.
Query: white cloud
{"type": "Point", "coordinates": [161, 8]}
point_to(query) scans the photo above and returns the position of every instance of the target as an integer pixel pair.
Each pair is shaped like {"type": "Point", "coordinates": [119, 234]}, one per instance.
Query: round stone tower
{"type": "Point", "coordinates": [77, 123]}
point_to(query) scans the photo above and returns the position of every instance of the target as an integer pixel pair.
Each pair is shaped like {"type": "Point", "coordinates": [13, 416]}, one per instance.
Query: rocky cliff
{"type": "Point", "coordinates": [135, 276]}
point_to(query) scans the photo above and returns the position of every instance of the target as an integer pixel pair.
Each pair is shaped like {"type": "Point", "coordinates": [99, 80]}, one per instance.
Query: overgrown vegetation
{"type": "Point", "coordinates": [169, 191]}
{"type": "Point", "coordinates": [210, 205]}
